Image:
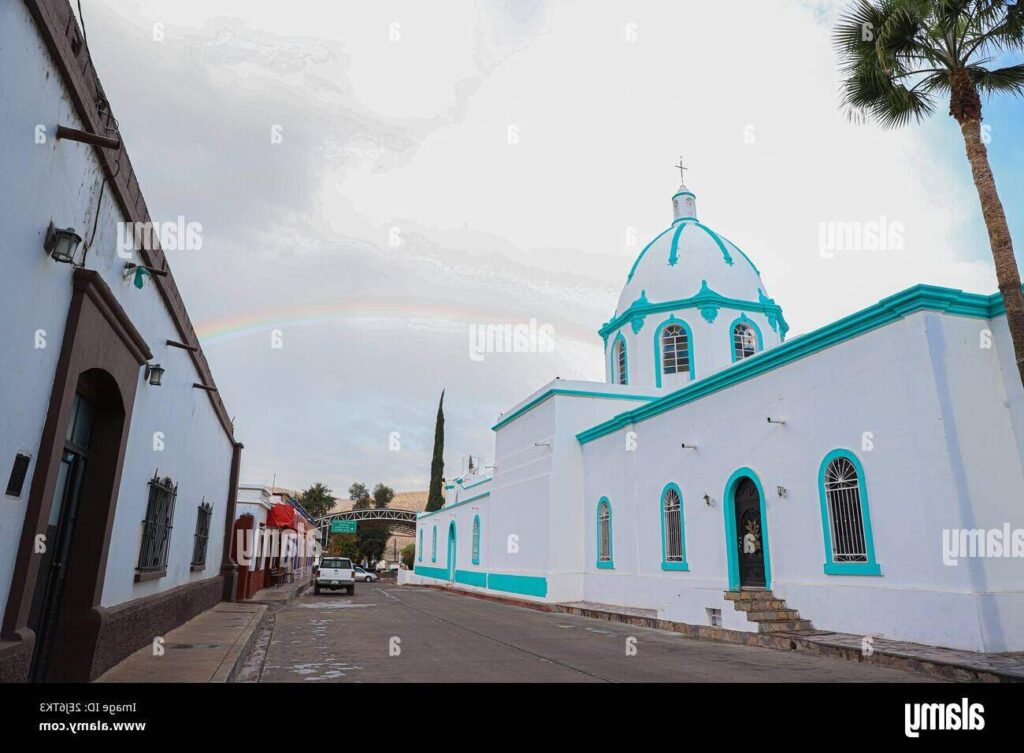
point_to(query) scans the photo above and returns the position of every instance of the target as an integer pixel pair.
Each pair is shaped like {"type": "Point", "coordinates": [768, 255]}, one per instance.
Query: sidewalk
{"type": "Point", "coordinates": [210, 647]}
{"type": "Point", "coordinates": [932, 661]}
{"type": "Point", "coordinates": [280, 594]}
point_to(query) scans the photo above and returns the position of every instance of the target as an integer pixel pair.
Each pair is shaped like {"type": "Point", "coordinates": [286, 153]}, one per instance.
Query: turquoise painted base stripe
{"type": "Point", "coordinates": [432, 572]}
{"type": "Point", "coordinates": [471, 578]}
{"type": "Point", "coordinates": [528, 585]}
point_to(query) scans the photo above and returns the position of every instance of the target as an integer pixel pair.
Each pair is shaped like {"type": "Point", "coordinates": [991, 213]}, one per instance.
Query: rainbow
{"type": "Point", "coordinates": [263, 321]}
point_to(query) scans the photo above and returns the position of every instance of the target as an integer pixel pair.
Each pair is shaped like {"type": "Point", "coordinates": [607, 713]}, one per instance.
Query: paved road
{"type": "Point", "coordinates": [446, 637]}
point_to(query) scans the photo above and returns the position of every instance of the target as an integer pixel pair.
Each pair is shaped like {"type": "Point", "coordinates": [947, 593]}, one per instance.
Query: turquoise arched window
{"type": "Point", "coordinates": [845, 516]}
{"type": "Point", "coordinates": [433, 545]}
{"type": "Point", "coordinates": [620, 361]}
{"type": "Point", "coordinates": [673, 538]}
{"type": "Point", "coordinates": [419, 549]}
{"type": "Point", "coordinates": [673, 349]}
{"type": "Point", "coordinates": [746, 338]}
{"type": "Point", "coordinates": [476, 540]}
{"type": "Point", "coordinates": [604, 534]}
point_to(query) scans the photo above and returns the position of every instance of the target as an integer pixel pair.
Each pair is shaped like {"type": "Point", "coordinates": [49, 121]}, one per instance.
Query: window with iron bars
{"type": "Point", "coordinates": [202, 536]}
{"type": "Point", "coordinates": [156, 528]}
{"type": "Point", "coordinates": [842, 492]}
{"type": "Point", "coordinates": [673, 527]}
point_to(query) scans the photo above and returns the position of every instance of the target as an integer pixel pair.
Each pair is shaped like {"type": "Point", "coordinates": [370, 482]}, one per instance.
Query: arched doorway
{"type": "Point", "coordinates": [73, 552]}
{"type": "Point", "coordinates": [746, 532]}
{"type": "Point", "coordinates": [451, 551]}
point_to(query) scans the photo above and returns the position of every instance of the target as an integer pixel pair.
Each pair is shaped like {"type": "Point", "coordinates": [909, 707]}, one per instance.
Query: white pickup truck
{"type": "Point", "coordinates": [333, 573]}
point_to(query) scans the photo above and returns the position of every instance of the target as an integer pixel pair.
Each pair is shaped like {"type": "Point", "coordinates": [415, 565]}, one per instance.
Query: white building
{"type": "Point", "coordinates": [119, 476]}
{"type": "Point", "coordinates": [718, 457]}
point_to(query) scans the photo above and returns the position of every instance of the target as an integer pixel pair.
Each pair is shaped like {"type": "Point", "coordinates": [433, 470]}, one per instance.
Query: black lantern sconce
{"type": "Point", "coordinates": [62, 244]}
{"type": "Point", "coordinates": [154, 374]}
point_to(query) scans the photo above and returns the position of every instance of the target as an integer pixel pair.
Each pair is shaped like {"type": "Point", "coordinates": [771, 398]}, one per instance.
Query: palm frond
{"type": "Point", "coordinates": [1009, 79]}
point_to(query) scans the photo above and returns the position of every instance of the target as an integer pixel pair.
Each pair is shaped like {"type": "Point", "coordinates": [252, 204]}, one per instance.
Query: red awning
{"type": "Point", "coordinates": [281, 516]}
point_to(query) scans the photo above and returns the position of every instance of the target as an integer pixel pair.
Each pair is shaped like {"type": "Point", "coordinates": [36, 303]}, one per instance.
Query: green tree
{"type": "Point", "coordinates": [360, 496]}
{"type": "Point", "coordinates": [372, 540]}
{"type": "Point", "coordinates": [898, 56]}
{"type": "Point", "coordinates": [317, 500]}
{"type": "Point", "coordinates": [435, 493]}
{"type": "Point", "coordinates": [409, 556]}
{"type": "Point", "coordinates": [343, 545]}
{"type": "Point", "coordinates": [382, 496]}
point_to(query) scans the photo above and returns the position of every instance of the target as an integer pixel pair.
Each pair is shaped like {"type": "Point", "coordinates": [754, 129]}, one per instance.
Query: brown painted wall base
{"type": "Point", "coordinates": [128, 627]}
{"type": "Point", "coordinates": [124, 629]}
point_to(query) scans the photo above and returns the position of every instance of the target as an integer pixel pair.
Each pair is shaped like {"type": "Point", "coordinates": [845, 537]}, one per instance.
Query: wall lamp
{"type": "Point", "coordinates": [154, 374]}
{"type": "Point", "coordinates": [62, 243]}
{"type": "Point", "coordinates": [708, 501]}
{"type": "Point", "coordinates": [775, 420]}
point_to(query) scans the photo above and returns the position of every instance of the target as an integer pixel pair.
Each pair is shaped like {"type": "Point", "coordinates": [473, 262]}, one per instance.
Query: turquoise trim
{"type": "Point", "coordinates": [752, 265]}
{"type": "Point", "coordinates": [636, 263]}
{"type": "Point", "coordinates": [471, 578]}
{"type": "Point", "coordinates": [706, 300]}
{"type": "Point", "coordinates": [476, 483]}
{"type": "Point", "coordinates": [482, 495]}
{"type": "Point", "coordinates": [610, 563]}
{"type": "Point", "coordinates": [433, 545]}
{"type": "Point", "coordinates": [683, 193]}
{"type": "Point", "coordinates": [432, 572]}
{"type": "Point", "coordinates": [475, 550]}
{"type": "Point", "coordinates": [888, 310]}
{"type": "Point", "coordinates": [871, 567]}
{"type": "Point", "coordinates": [452, 552]}
{"type": "Point", "coordinates": [568, 393]}
{"type": "Point", "coordinates": [665, 564]}
{"type": "Point", "coordinates": [744, 319]}
{"type": "Point", "coordinates": [419, 551]}
{"type": "Point", "coordinates": [729, 507]}
{"type": "Point", "coordinates": [658, 347]}
{"type": "Point", "coordinates": [526, 585]}
{"type": "Point", "coordinates": [726, 257]}
{"type": "Point", "coordinates": [673, 254]}
{"type": "Point", "coordinates": [684, 219]}
{"type": "Point", "coordinates": [614, 361]}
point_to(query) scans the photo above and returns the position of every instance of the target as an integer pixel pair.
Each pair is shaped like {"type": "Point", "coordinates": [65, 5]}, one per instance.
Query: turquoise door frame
{"type": "Point", "coordinates": [451, 551]}
{"type": "Point", "coordinates": [731, 552]}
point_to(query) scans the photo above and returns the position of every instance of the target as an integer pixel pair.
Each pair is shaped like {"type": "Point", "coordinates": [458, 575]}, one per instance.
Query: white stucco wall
{"type": "Point", "coordinates": [60, 181]}
{"type": "Point", "coordinates": [943, 457]}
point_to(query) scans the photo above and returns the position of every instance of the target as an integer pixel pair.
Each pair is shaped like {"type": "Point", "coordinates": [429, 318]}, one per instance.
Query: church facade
{"type": "Point", "coordinates": [865, 477]}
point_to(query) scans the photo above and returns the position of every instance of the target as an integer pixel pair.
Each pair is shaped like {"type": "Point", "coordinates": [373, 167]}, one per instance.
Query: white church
{"type": "Point", "coordinates": [864, 478]}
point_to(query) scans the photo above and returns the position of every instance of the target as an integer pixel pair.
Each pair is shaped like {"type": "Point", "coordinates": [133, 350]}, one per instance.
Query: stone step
{"type": "Point", "coordinates": [772, 615]}
{"type": "Point", "coordinates": [784, 626]}
{"type": "Point", "coordinates": [760, 605]}
{"type": "Point", "coordinates": [748, 595]}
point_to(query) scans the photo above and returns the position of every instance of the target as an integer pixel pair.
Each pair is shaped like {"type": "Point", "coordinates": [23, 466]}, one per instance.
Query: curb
{"type": "Point", "coordinates": [292, 596]}
{"type": "Point", "coordinates": [240, 649]}
{"type": "Point", "coordinates": [807, 643]}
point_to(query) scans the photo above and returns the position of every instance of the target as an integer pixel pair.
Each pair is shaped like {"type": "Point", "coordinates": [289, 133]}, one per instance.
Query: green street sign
{"type": "Point", "coordinates": [343, 526]}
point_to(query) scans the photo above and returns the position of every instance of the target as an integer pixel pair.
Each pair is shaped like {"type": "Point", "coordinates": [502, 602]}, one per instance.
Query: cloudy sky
{"type": "Point", "coordinates": [374, 178]}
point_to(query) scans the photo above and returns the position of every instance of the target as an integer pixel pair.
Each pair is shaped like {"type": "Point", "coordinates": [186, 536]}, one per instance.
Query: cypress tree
{"type": "Point", "coordinates": [435, 495]}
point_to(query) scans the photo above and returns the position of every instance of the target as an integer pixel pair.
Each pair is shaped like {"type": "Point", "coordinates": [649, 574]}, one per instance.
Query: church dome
{"type": "Point", "coordinates": [689, 256]}
{"type": "Point", "coordinates": [693, 304]}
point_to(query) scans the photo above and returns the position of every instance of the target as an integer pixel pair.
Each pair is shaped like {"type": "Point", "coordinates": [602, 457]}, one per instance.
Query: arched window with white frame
{"type": "Point", "coordinates": [675, 350]}
{"type": "Point", "coordinates": [744, 341]}
{"type": "Point", "coordinates": [620, 361]}
{"type": "Point", "coordinates": [846, 518]}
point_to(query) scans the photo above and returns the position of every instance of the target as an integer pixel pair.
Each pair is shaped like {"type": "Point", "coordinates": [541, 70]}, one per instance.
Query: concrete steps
{"type": "Point", "coordinates": [769, 612]}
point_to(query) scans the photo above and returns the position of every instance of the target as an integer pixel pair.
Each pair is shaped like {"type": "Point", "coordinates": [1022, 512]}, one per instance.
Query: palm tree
{"type": "Point", "coordinates": [897, 56]}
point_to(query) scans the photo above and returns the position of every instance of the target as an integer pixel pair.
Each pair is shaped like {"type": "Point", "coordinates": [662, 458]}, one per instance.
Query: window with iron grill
{"type": "Point", "coordinates": [202, 534]}
{"type": "Point", "coordinates": [744, 341]}
{"type": "Point", "coordinates": [604, 523]}
{"type": "Point", "coordinates": [673, 527]}
{"type": "Point", "coordinates": [675, 350]}
{"type": "Point", "coordinates": [156, 528]}
{"type": "Point", "coordinates": [846, 521]}
{"type": "Point", "coordinates": [620, 362]}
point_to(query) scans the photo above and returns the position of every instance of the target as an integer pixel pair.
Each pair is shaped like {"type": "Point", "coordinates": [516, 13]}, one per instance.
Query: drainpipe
{"type": "Point", "coordinates": [228, 567]}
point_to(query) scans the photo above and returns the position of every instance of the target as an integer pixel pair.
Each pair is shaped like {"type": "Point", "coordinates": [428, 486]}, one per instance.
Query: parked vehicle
{"type": "Point", "coordinates": [333, 573]}
{"type": "Point", "coordinates": [365, 575]}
